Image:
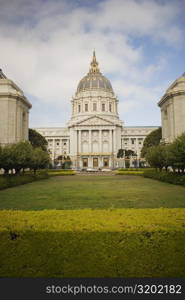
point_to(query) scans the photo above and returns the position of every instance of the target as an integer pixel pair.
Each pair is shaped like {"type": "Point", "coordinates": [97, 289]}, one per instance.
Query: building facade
{"type": "Point", "coordinates": [172, 106]}
{"type": "Point", "coordinates": [14, 112]}
{"type": "Point", "coordinates": [94, 134]}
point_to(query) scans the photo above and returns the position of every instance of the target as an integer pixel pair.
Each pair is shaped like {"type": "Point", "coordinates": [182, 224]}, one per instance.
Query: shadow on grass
{"type": "Point", "coordinates": [92, 254]}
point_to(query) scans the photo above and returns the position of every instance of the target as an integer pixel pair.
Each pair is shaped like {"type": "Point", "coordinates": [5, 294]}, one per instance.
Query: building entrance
{"type": "Point", "coordinates": [95, 162]}
{"type": "Point", "coordinates": [105, 162]}
{"type": "Point", "coordinates": [85, 162]}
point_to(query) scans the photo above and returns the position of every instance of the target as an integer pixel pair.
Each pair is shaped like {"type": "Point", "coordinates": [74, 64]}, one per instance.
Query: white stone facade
{"type": "Point", "coordinates": [94, 133]}
{"type": "Point", "coordinates": [172, 106]}
{"type": "Point", "coordinates": [14, 112]}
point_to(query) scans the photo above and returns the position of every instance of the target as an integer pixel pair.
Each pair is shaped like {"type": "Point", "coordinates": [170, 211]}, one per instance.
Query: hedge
{"type": "Point", "coordinates": [93, 243]}
{"type": "Point", "coordinates": [61, 172]}
{"type": "Point", "coordinates": [135, 169]}
{"type": "Point", "coordinates": [169, 177]}
{"type": "Point", "coordinates": [7, 181]}
{"type": "Point", "coordinates": [129, 173]}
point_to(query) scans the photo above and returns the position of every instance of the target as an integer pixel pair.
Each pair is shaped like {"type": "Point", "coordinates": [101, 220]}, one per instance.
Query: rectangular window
{"type": "Point", "coordinates": [110, 107]}
{"type": "Point", "coordinates": [79, 108]}
{"type": "Point", "coordinates": [94, 107]}
{"type": "Point", "coordinates": [132, 141]}
{"type": "Point", "coordinates": [103, 106]}
{"type": "Point", "coordinates": [86, 107]}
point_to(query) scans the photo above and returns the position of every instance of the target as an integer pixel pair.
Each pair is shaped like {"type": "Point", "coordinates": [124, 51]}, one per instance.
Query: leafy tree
{"type": "Point", "coordinates": [125, 153]}
{"type": "Point", "coordinates": [22, 154]}
{"type": "Point", "coordinates": [156, 156]}
{"type": "Point", "coordinates": [129, 153]}
{"type": "Point", "coordinates": [121, 153]}
{"type": "Point", "coordinates": [7, 158]}
{"type": "Point", "coordinates": [152, 139]}
{"type": "Point", "coordinates": [1, 151]}
{"type": "Point", "coordinates": [39, 160]}
{"type": "Point", "coordinates": [37, 140]}
{"type": "Point", "coordinates": [177, 149]}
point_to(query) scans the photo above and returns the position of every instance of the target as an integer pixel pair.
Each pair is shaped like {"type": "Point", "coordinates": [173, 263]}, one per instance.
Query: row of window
{"type": "Point", "coordinates": [133, 140]}
{"type": "Point", "coordinates": [95, 107]}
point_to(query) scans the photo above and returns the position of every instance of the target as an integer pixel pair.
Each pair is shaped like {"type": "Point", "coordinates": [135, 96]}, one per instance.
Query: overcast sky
{"type": "Point", "coordinates": [46, 47]}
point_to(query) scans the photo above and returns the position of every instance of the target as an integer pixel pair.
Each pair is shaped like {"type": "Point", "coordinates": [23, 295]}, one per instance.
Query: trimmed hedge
{"type": "Point", "coordinates": [92, 243]}
{"type": "Point", "coordinates": [61, 172]}
{"type": "Point", "coordinates": [129, 173]}
{"type": "Point", "coordinates": [7, 181]}
{"type": "Point", "coordinates": [169, 177]}
{"type": "Point", "coordinates": [135, 169]}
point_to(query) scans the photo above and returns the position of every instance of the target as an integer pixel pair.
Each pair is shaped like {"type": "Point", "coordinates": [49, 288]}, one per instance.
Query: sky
{"type": "Point", "coordinates": [46, 47]}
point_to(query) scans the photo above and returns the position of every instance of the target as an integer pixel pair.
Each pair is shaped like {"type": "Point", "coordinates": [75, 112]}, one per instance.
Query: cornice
{"type": "Point", "coordinates": [169, 95]}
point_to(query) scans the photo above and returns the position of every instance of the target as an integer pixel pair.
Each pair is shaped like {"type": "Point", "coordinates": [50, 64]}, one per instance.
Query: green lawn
{"type": "Point", "coordinates": [93, 226]}
{"type": "Point", "coordinates": [97, 192]}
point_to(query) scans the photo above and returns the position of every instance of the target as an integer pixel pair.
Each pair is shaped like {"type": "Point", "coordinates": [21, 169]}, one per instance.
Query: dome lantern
{"type": "Point", "coordinates": [94, 80]}
{"type": "Point", "coordinates": [94, 65]}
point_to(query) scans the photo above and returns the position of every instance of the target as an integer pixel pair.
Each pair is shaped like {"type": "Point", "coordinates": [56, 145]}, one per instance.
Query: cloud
{"type": "Point", "coordinates": [46, 48]}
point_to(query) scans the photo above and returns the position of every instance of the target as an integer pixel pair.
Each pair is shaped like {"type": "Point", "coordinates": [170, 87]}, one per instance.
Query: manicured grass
{"type": "Point", "coordinates": [97, 192]}
{"type": "Point", "coordinates": [93, 243]}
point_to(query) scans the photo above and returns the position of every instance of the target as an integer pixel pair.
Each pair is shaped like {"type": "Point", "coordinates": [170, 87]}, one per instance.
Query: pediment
{"type": "Point", "coordinates": [95, 120]}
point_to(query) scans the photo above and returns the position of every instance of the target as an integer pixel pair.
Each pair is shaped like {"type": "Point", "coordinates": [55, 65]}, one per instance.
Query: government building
{"type": "Point", "coordinates": [14, 112]}
{"type": "Point", "coordinates": [94, 134]}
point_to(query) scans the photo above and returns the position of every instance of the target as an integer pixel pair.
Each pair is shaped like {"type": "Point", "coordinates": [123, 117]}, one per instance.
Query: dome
{"type": "Point", "coordinates": [177, 85]}
{"type": "Point", "coordinates": [94, 80]}
{"type": "Point", "coordinates": [176, 88]}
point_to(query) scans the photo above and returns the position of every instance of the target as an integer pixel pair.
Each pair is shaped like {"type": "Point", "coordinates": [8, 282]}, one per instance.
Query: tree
{"type": "Point", "coordinates": [129, 153]}
{"type": "Point", "coordinates": [1, 151]}
{"type": "Point", "coordinates": [22, 154]}
{"type": "Point", "coordinates": [121, 153]}
{"type": "Point", "coordinates": [37, 140]}
{"type": "Point", "coordinates": [40, 159]}
{"type": "Point", "coordinates": [156, 156]}
{"type": "Point", "coordinates": [7, 158]}
{"type": "Point", "coordinates": [178, 153]}
{"type": "Point", "coordinates": [152, 139]}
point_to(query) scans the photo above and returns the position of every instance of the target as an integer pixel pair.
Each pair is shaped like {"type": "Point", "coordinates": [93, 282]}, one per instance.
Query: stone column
{"type": "Point", "coordinates": [68, 146]}
{"type": "Point", "coordinates": [79, 141]}
{"type": "Point", "coordinates": [90, 141]}
{"type": "Point", "coordinates": [76, 140]}
{"type": "Point", "coordinates": [137, 151]}
{"type": "Point", "coordinates": [53, 150]}
{"type": "Point", "coordinates": [114, 137]}
{"type": "Point", "coordinates": [110, 140]}
{"type": "Point", "coordinates": [100, 141]}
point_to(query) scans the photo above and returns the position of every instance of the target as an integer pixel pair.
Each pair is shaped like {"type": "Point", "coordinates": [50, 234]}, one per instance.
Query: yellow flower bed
{"type": "Point", "coordinates": [93, 243]}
